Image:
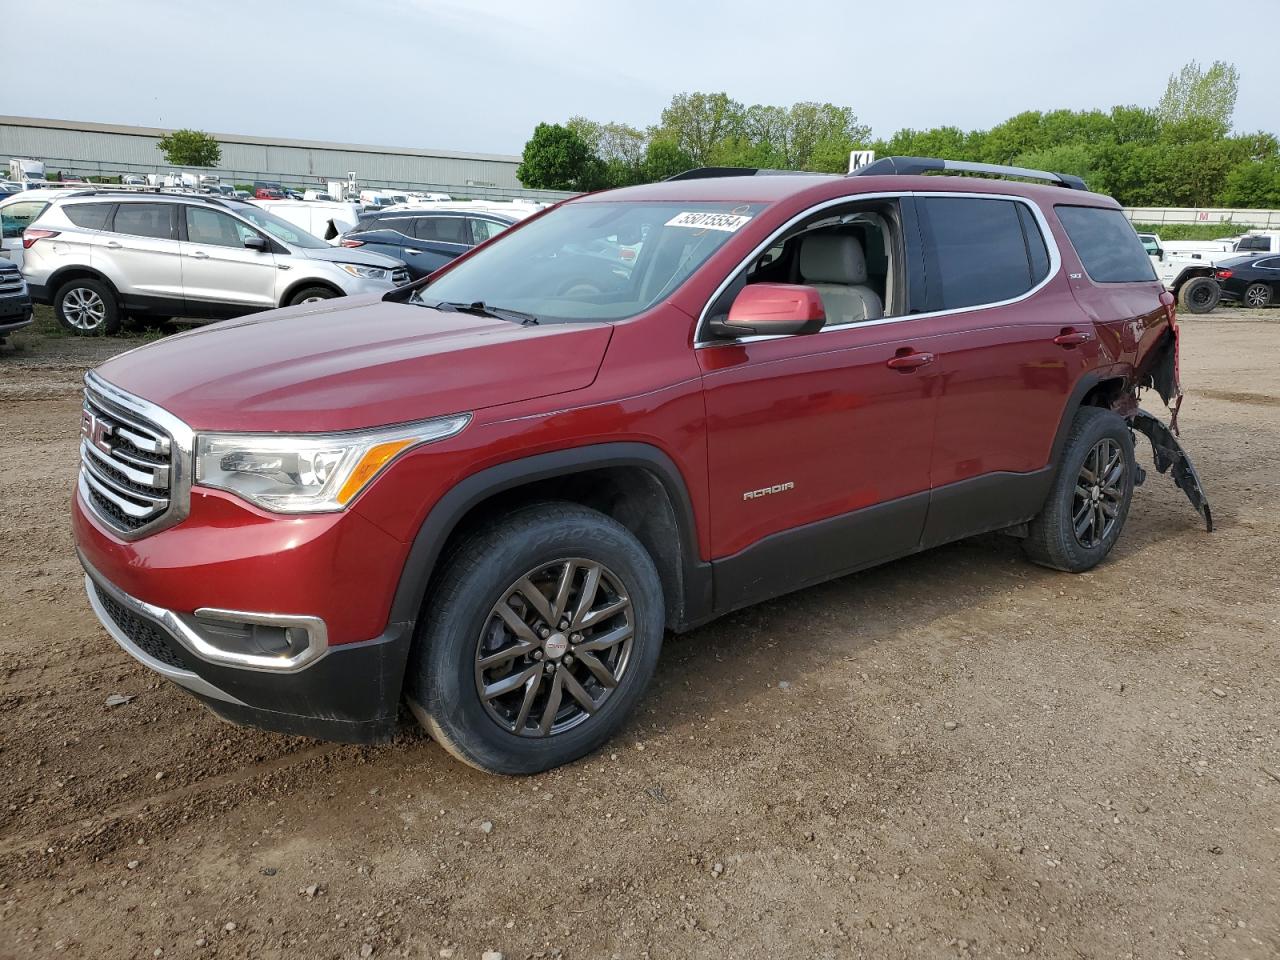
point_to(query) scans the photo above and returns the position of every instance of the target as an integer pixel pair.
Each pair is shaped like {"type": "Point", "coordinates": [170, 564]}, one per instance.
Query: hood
{"type": "Point", "coordinates": [349, 255]}
{"type": "Point", "coordinates": [355, 362]}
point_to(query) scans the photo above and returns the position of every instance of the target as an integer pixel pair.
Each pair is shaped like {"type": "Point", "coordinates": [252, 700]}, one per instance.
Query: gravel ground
{"type": "Point", "coordinates": [955, 755]}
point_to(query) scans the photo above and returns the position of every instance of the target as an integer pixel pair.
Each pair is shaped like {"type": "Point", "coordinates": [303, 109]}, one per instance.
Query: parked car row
{"type": "Point", "coordinates": [97, 256]}
{"type": "Point", "coordinates": [1192, 269]}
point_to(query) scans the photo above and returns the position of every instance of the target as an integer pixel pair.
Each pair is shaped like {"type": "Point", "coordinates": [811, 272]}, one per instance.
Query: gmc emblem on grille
{"type": "Point", "coordinates": [95, 431]}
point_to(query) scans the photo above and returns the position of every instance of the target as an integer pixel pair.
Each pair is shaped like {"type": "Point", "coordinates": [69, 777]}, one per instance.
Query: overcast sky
{"type": "Point", "coordinates": [479, 74]}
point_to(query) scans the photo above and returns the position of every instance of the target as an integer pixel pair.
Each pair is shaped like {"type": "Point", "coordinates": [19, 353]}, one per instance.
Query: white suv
{"type": "Point", "coordinates": [97, 256]}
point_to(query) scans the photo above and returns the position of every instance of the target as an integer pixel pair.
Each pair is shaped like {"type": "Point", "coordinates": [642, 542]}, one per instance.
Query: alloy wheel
{"type": "Point", "coordinates": [84, 309]}
{"type": "Point", "coordinates": [1258, 295]}
{"type": "Point", "coordinates": [554, 647]}
{"type": "Point", "coordinates": [1099, 493]}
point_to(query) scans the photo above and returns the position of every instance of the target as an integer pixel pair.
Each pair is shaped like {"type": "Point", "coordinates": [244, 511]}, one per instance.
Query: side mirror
{"type": "Point", "coordinates": [256, 243]}
{"type": "Point", "coordinates": [773, 309]}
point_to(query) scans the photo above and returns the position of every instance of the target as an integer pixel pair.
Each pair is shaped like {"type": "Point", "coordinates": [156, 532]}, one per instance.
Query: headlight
{"type": "Point", "coordinates": [366, 273]}
{"type": "Point", "coordinates": [315, 473]}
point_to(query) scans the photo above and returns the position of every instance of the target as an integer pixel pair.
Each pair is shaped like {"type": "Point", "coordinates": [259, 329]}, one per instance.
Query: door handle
{"type": "Point", "coordinates": [112, 245]}
{"type": "Point", "coordinates": [412, 252]}
{"type": "Point", "coordinates": [1072, 338]}
{"type": "Point", "coordinates": [908, 361]}
{"type": "Point", "coordinates": [198, 255]}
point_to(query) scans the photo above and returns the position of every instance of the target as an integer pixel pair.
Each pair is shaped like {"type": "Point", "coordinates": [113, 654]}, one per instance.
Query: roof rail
{"type": "Point", "coordinates": [706, 173]}
{"type": "Point", "coordinates": [905, 166]}
{"type": "Point", "coordinates": [149, 192]}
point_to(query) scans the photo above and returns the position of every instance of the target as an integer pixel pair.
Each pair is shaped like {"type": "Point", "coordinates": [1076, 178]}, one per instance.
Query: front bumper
{"type": "Point", "coordinates": [351, 693]}
{"type": "Point", "coordinates": [15, 313]}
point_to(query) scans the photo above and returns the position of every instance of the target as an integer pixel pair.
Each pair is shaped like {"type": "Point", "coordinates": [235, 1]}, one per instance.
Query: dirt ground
{"type": "Point", "coordinates": [956, 755]}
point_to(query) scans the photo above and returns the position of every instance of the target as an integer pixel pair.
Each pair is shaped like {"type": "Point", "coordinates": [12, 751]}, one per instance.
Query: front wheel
{"type": "Point", "coordinates": [1199, 295]}
{"type": "Point", "coordinates": [311, 295]}
{"type": "Point", "coordinates": [1257, 295]}
{"type": "Point", "coordinates": [1089, 501]}
{"type": "Point", "coordinates": [538, 639]}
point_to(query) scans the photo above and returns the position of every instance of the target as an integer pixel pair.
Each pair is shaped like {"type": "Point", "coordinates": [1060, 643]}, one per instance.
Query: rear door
{"type": "Point", "coordinates": [220, 275]}
{"type": "Point", "coordinates": [436, 241]}
{"type": "Point", "coordinates": [1013, 344]}
{"type": "Point", "coordinates": [143, 256]}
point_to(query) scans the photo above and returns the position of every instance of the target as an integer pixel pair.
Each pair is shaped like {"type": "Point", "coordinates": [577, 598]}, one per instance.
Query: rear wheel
{"type": "Point", "coordinates": [538, 640]}
{"type": "Point", "coordinates": [87, 307]}
{"type": "Point", "coordinates": [1257, 295]}
{"type": "Point", "coordinates": [311, 295]}
{"type": "Point", "coordinates": [1199, 295]}
{"type": "Point", "coordinates": [1089, 502]}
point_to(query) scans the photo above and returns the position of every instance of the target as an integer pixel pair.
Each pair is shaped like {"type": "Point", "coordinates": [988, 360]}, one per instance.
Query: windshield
{"type": "Point", "coordinates": [281, 229]}
{"type": "Point", "coordinates": [593, 261]}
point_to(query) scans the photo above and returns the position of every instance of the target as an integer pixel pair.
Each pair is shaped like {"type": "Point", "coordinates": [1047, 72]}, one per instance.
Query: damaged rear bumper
{"type": "Point", "coordinates": [1170, 457]}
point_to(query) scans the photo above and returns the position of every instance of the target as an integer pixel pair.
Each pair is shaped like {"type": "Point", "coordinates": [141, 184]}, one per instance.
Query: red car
{"type": "Point", "coordinates": [491, 493]}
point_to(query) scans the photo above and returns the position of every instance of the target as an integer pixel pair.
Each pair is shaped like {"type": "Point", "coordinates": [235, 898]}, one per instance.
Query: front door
{"type": "Point", "coordinates": [220, 275]}
{"type": "Point", "coordinates": [819, 446]}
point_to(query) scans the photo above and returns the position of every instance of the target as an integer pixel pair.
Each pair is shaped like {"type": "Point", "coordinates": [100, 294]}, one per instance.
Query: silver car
{"type": "Point", "coordinates": [98, 256]}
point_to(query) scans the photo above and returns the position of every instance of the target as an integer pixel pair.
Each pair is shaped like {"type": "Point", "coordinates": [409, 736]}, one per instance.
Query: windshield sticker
{"type": "Point", "coordinates": [728, 222]}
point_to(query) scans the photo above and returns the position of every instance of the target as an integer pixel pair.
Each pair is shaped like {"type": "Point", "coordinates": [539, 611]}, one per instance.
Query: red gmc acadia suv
{"type": "Point", "coordinates": [488, 494]}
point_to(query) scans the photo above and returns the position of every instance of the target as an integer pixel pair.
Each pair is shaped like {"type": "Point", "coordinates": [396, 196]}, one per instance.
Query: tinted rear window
{"type": "Point", "coordinates": [145, 220]}
{"type": "Point", "coordinates": [91, 216]}
{"type": "Point", "coordinates": [977, 250]}
{"type": "Point", "coordinates": [448, 229]}
{"type": "Point", "coordinates": [1109, 249]}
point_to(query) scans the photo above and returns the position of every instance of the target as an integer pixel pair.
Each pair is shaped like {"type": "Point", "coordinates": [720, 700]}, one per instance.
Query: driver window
{"type": "Point", "coordinates": [850, 255]}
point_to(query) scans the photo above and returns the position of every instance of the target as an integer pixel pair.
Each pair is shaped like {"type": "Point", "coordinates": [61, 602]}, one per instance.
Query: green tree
{"type": "Point", "coordinates": [190, 148]}
{"type": "Point", "coordinates": [1201, 94]}
{"type": "Point", "coordinates": [1253, 184]}
{"type": "Point", "coordinates": [620, 149]}
{"type": "Point", "coordinates": [557, 158]}
{"type": "Point", "coordinates": [663, 158]}
{"type": "Point", "coordinates": [699, 121]}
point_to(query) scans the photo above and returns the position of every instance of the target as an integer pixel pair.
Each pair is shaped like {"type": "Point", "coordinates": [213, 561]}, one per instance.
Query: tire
{"type": "Point", "coordinates": [1199, 295]}
{"type": "Point", "coordinates": [1053, 540]}
{"type": "Point", "coordinates": [312, 295]}
{"type": "Point", "coordinates": [461, 622]}
{"type": "Point", "coordinates": [87, 308]}
{"type": "Point", "coordinates": [1257, 295]}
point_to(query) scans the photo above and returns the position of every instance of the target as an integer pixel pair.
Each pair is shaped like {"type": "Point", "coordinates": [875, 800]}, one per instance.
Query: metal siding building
{"type": "Point", "coordinates": [106, 149]}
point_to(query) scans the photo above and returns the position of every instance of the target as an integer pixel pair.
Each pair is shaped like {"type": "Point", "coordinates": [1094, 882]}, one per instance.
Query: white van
{"type": "Point", "coordinates": [326, 219]}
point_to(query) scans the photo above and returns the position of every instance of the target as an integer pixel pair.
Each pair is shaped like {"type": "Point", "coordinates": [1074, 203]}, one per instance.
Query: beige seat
{"type": "Point", "coordinates": [834, 265]}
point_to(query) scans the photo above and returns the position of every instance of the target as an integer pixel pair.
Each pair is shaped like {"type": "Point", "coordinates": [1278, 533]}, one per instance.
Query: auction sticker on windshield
{"type": "Point", "coordinates": [728, 222]}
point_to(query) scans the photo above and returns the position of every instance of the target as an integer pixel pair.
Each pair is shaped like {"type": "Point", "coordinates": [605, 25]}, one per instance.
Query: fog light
{"type": "Point", "coordinates": [253, 640]}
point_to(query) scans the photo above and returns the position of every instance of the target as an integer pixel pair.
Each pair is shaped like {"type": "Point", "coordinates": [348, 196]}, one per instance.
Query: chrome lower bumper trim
{"type": "Point", "coordinates": [183, 678]}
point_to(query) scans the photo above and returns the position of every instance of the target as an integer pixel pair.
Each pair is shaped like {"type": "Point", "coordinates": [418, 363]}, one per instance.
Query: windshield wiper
{"type": "Point", "coordinates": [482, 309]}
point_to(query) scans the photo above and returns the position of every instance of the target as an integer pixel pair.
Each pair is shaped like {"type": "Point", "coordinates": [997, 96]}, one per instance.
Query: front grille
{"type": "Point", "coordinates": [10, 283]}
{"type": "Point", "coordinates": [126, 467]}
{"type": "Point", "coordinates": [146, 635]}
{"type": "Point", "coordinates": [400, 276]}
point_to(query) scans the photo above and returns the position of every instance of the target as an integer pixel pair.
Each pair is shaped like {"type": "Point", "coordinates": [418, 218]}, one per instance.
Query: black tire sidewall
{"type": "Point", "coordinates": [1189, 304]}
{"type": "Point", "coordinates": [111, 319]}
{"type": "Point", "coordinates": [441, 681]}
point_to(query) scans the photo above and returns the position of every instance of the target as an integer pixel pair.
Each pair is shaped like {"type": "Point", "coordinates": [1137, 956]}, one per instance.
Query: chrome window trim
{"type": "Point", "coordinates": [181, 462]}
{"type": "Point", "coordinates": [1051, 244]}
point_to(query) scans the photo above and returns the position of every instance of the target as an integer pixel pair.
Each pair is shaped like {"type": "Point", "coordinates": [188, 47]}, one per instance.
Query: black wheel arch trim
{"type": "Point", "coordinates": [302, 284]}
{"type": "Point", "coordinates": [59, 278]}
{"type": "Point", "coordinates": [695, 601]}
